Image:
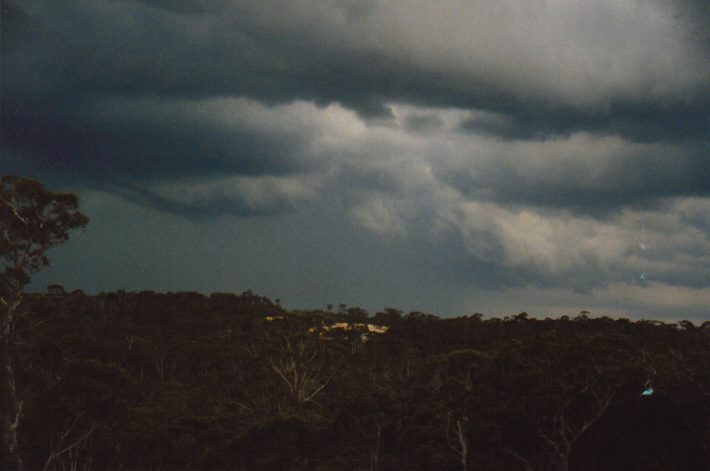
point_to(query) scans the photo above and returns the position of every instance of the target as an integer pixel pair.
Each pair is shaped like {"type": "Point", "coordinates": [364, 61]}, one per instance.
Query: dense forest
{"type": "Point", "coordinates": [186, 381]}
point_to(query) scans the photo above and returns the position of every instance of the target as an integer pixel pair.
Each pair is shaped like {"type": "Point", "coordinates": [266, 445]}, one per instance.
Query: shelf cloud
{"type": "Point", "coordinates": [498, 145]}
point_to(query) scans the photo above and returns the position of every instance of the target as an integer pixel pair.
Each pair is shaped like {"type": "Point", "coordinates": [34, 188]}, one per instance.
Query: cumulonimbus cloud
{"type": "Point", "coordinates": [543, 137]}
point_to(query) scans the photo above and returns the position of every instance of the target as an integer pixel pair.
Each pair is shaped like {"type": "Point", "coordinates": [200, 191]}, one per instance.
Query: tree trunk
{"type": "Point", "coordinates": [375, 451]}
{"type": "Point", "coordinates": [463, 450]}
{"type": "Point", "coordinates": [459, 442]}
{"type": "Point", "coordinates": [11, 405]}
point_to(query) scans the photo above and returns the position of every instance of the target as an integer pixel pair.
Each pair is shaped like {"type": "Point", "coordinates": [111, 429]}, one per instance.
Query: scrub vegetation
{"type": "Point", "coordinates": [185, 381]}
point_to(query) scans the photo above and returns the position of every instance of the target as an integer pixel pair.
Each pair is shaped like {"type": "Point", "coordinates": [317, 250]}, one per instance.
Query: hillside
{"type": "Point", "coordinates": [185, 381]}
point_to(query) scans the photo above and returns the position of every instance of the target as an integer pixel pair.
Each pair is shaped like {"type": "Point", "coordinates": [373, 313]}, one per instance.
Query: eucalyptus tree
{"type": "Point", "coordinates": [32, 220]}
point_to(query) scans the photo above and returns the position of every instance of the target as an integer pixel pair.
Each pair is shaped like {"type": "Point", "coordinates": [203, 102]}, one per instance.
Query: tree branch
{"type": "Point", "coordinates": [14, 210]}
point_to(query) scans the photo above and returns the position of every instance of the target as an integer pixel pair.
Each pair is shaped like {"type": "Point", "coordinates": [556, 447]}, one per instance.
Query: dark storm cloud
{"type": "Point", "coordinates": [634, 176]}
{"type": "Point", "coordinates": [647, 122]}
{"type": "Point", "coordinates": [207, 49]}
{"type": "Point", "coordinates": [74, 51]}
{"type": "Point", "coordinates": [130, 146]}
{"type": "Point", "coordinates": [423, 122]}
{"type": "Point", "coordinates": [141, 145]}
{"type": "Point", "coordinates": [71, 71]}
{"type": "Point", "coordinates": [146, 197]}
{"type": "Point", "coordinates": [185, 6]}
{"type": "Point", "coordinates": [528, 139]}
{"type": "Point", "coordinates": [203, 209]}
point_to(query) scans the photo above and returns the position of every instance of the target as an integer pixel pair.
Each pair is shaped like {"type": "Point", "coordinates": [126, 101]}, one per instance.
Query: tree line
{"type": "Point", "coordinates": [186, 381]}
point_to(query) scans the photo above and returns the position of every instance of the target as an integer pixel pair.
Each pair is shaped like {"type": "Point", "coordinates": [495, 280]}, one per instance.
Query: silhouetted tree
{"type": "Point", "coordinates": [32, 220]}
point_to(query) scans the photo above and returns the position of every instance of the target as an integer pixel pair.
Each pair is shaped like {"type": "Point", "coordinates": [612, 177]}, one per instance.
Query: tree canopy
{"type": "Point", "coordinates": [185, 381]}
{"type": "Point", "coordinates": [32, 220]}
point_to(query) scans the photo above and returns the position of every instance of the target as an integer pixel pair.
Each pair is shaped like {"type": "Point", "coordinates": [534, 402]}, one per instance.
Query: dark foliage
{"type": "Point", "coordinates": [184, 381]}
{"type": "Point", "coordinates": [32, 220]}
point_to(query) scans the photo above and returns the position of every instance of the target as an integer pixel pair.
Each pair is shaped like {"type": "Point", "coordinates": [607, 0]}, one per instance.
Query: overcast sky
{"type": "Point", "coordinates": [451, 156]}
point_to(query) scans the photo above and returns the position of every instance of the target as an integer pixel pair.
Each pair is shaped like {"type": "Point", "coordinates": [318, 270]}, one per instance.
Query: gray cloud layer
{"type": "Point", "coordinates": [525, 143]}
{"type": "Point", "coordinates": [632, 67]}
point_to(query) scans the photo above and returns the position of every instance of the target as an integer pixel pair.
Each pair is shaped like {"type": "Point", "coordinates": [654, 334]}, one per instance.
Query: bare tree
{"type": "Point", "coordinates": [571, 382]}
{"type": "Point", "coordinates": [70, 441]}
{"type": "Point", "coordinates": [303, 365]}
{"type": "Point", "coordinates": [457, 437]}
{"type": "Point", "coordinates": [563, 431]}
